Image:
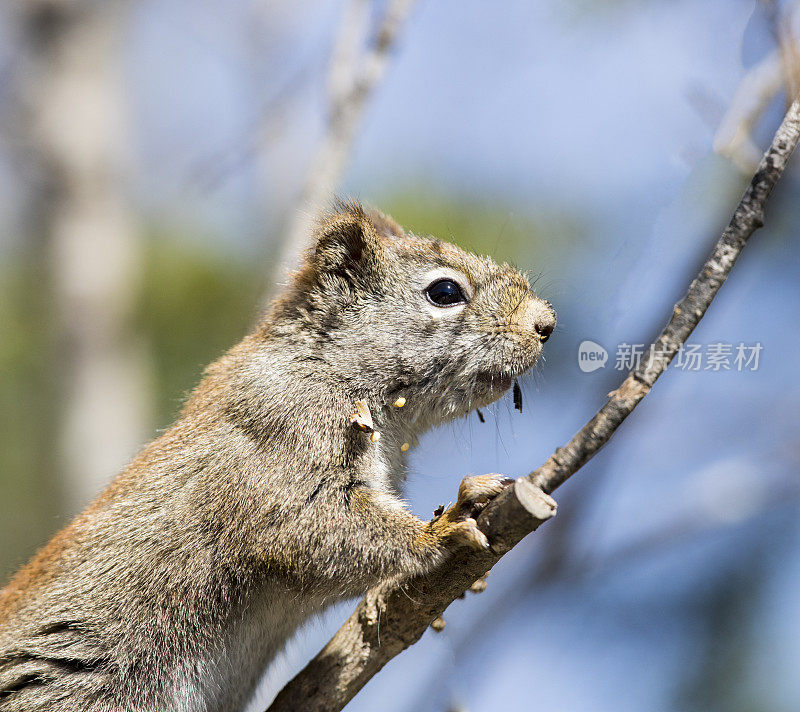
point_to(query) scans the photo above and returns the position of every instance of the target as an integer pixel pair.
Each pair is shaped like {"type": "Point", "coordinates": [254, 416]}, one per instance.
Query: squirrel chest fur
{"type": "Point", "coordinates": [277, 491]}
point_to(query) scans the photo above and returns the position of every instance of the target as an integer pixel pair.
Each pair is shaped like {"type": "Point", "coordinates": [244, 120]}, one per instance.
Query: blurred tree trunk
{"type": "Point", "coordinates": [71, 131]}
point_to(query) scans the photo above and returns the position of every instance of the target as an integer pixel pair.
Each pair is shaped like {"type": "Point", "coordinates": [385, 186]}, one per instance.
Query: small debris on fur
{"type": "Point", "coordinates": [480, 415]}
{"type": "Point", "coordinates": [404, 447]}
{"type": "Point", "coordinates": [362, 418]}
{"type": "Point", "coordinates": [375, 436]}
{"type": "Point", "coordinates": [517, 396]}
{"type": "Point", "coordinates": [438, 511]}
{"type": "Point", "coordinates": [400, 402]}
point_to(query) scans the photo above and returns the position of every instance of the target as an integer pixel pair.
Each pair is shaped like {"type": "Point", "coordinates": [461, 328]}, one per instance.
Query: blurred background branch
{"type": "Point", "coordinates": [778, 70]}
{"type": "Point", "coordinates": [356, 69]}
{"type": "Point", "coordinates": [70, 129]}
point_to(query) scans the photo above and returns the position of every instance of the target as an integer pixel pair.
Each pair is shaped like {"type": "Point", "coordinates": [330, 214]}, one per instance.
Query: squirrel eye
{"type": "Point", "coordinates": [445, 293]}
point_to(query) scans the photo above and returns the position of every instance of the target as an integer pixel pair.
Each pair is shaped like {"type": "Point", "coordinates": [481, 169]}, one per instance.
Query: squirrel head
{"type": "Point", "coordinates": [394, 314]}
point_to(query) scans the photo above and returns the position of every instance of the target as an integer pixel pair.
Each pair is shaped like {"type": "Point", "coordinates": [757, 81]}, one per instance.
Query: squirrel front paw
{"type": "Point", "coordinates": [457, 526]}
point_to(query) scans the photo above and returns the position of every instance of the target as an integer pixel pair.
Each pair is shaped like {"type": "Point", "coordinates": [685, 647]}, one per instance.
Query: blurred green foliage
{"type": "Point", "coordinates": [28, 392]}
{"type": "Point", "coordinates": [489, 227]}
{"type": "Point", "coordinates": [195, 304]}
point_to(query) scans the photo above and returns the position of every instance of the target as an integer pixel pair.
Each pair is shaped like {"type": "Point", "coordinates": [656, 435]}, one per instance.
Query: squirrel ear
{"type": "Point", "coordinates": [385, 224]}
{"type": "Point", "coordinates": [347, 243]}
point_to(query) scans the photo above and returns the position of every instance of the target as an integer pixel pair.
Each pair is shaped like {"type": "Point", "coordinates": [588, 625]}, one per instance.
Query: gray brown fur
{"type": "Point", "coordinates": [263, 503]}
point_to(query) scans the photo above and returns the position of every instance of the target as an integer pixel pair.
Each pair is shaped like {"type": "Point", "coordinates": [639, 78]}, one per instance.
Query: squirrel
{"type": "Point", "coordinates": [277, 490]}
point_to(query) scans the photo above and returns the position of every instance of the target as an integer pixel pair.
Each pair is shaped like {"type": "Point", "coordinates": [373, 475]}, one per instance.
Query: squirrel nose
{"type": "Point", "coordinates": [545, 323]}
{"type": "Point", "coordinates": [544, 329]}
{"type": "Point", "coordinates": [535, 319]}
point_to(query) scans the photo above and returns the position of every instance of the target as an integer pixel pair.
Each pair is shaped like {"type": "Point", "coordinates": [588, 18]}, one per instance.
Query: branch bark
{"type": "Point", "coordinates": [390, 618]}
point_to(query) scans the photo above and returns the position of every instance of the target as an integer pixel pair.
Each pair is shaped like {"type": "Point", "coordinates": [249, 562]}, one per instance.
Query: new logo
{"type": "Point", "coordinates": [591, 356]}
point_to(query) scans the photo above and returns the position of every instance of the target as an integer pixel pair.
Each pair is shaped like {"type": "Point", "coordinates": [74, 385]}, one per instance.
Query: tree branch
{"type": "Point", "coordinates": [390, 617]}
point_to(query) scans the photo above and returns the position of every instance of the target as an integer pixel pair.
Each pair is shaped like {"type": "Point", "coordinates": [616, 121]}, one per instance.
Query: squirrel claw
{"type": "Point", "coordinates": [474, 493]}
{"type": "Point", "coordinates": [467, 533]}
{"type": "Point", "coordinates": [456, 525]}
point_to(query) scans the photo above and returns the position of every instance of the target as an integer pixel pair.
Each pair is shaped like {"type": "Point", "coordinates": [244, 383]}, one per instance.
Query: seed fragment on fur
{"type": "Point", "coordinates": [400, 402]}
{"type": "Point", "coordinates": [362, 418]}
{"type": "Point", "coordinates": [517, 396]}
{"type": "Point", "coordinates": [438, 624]}
{"type": "Point", "coordinates": [404, 447]}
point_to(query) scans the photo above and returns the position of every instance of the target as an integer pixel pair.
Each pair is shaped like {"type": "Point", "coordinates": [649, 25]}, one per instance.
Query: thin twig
{"type": "Point", "coordinates": [355, 653]}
